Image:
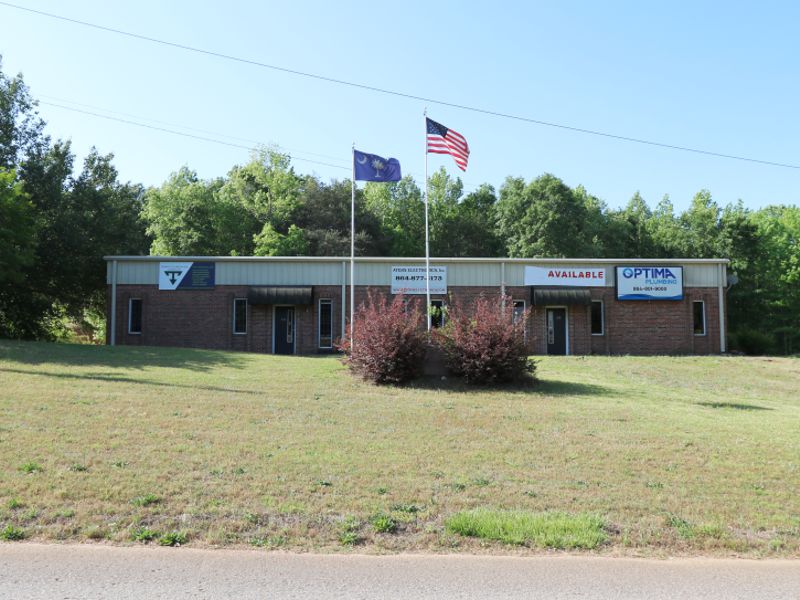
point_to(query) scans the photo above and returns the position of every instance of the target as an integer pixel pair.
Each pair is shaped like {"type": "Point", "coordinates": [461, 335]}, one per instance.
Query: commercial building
{"type": "Point", "coordinates": [299, 305]}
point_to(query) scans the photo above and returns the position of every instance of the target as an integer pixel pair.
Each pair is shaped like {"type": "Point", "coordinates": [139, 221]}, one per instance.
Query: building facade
{"type": "Point", "coordinates": [300, 305]}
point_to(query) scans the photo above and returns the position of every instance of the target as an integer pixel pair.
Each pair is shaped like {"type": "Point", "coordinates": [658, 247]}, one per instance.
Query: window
{"type": "Point", "coordinates": [699, 310]}
{"type": "Point", "coordinates": [598, 318]}
{"type": "Point", "coordinates": [519, 310]}
{"type": "Point", "coordinates": [437, 313]}
{"type": "Point", "coordinates": [240, 316]}
{"type": "Point", "coordinates": [325, 323]}
{"type": "Point", "coordinates": [135, 315]}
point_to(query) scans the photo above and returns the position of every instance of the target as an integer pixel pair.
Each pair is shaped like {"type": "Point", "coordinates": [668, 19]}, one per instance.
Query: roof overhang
{"type": "Point", "coordinates": [560, 297]}
{"type": "Point", "coordinates": [279, 294]}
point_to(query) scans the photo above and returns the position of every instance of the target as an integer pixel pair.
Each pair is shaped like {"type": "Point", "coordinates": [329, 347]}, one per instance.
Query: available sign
{"type": "Point", "coordinates": [565, 276]}
{"type": "Point", "coordinates": [649, 283]}
{"type": "Point", "coordinates": [411, 280]}
{"type": "Point", "coordinates": [186, 275]}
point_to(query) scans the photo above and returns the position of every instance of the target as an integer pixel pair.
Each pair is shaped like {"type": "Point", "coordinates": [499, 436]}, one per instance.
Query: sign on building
{"type": "Point", "coordinates": [649, 283]}
{"type": "Point", "coordinates": [411, 280]}
{"type": "Point", "coordinates": [565, 276]}
{"type": "Point", "coordinates": [186, 275]}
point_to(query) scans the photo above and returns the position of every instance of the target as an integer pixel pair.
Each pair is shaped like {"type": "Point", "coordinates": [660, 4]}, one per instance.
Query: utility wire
{"type": "Point", "coordinates": [466, 189]}
{"type": "Point", "coordinates": [397, 93]}
{"type": "Point", "coordinates": [216, 134]}
{"type": "Point", "coordinates": [174, 132]}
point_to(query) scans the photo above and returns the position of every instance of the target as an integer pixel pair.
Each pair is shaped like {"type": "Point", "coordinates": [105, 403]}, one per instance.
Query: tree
{"type": "Point", "coordinates": [271, 243]}
{"type": "Point", "coordinates": [21, 129]}
{"type": "Point", "coordinates": [399, 211]}
{"type": "Point", "coordinates": [188, 216]}
{"type": "Point", "coordinates": [542, 218]}
{"type": "Point", "coordinates": [17, 231]}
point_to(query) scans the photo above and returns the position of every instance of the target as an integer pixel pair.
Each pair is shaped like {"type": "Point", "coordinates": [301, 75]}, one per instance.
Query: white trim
{"type": "Point", "coordinates": [415, 261]}
{"type": "Point", "coordinates": [141, 316]}
{"type": "Point", "coordinates": [233, 323]}
{"type": "Point", "coordinates": [602, 319]}
{"type": "Point", "coordinates": [319, 323]}
{"type": "Point", "coordinates": [113, 332]}
{"type": "Point", "coordinates": [723, 276]}
{"type": "Point", "coordinates": [705, 324]}
{"type": "Point", "coordinates": [566, 326]}
{"type": "Point", "coordinates": [524, 320]}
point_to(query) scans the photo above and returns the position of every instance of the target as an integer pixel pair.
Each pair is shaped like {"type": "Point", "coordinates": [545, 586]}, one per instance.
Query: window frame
{"type": "Point", "coordinates": [602, 318]}
{"type": "Point", "coordinates": [442, 305]}
{"type": "Point", "coordinates": [320, 302]}
{"type": "Point", "coordinates": [130, 315]}
{"type": "Point", "coordinates": [702, 303]}
{"type": "Point", "coordinates": [246, 306]}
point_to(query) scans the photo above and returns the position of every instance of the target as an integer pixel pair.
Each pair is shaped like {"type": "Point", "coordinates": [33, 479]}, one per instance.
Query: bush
{"type": "Point", "coordinates": [752, 342]}
{"type": "Point", "coordinates": [388, 340]}
{"type": "Point", "coordinates": [486, 345]}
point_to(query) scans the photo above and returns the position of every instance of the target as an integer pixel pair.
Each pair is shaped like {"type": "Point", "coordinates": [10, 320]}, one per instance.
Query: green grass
{"type": "Point", "coordinates": [544, 530]}
{"type": "Point", "coordinates": [691, 455]}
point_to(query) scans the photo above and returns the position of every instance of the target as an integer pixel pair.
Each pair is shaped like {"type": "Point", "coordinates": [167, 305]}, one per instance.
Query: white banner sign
{"type": "Point", "coordinates": [565, 276]}
{"type": "Point", "coordinates": [170, 274]}
{"type": "Point", "coordinates": [411, 280]}
{"type": "Point", "coordinates": [649, 283]}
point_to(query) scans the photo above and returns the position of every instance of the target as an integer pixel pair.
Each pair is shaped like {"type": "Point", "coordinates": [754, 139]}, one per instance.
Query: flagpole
{"type": "Point", "coordinates": [352, 245]}
{"type": "Point", "coordinates": [427, 244]}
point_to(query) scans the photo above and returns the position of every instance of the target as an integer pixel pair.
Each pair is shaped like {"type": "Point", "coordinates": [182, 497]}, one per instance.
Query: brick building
{"type": "Point", "coordinates": [299, 305]}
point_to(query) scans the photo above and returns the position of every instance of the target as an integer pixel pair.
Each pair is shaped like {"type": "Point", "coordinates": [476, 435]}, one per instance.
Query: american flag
{"type": "Point", "coordinates": [442, 140]}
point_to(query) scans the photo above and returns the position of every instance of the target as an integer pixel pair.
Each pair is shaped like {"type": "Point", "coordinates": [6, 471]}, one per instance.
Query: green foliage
{"type": "Point", "coordinates": [382, 523]}
{"type": "Point", "coordinates": [271, 243]}
{"type": "Point", "coordinates": [10, 533]}
{"type": "Point", "coordinates": [173, 538]}
{"type": "Point", "coordinates": [31, 467]}
{"type": "Point", "coordinates": [546, 530]}
{"type": "Point", "coordinates": [143, 534]}
{"type": "Point", "coordinates": [146, 500]}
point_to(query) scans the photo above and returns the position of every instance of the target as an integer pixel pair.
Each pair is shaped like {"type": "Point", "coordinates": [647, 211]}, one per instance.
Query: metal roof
{"type": "Point", "coordinates": [405, 259]}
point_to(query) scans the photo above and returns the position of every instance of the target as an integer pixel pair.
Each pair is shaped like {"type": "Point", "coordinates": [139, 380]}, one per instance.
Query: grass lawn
{"type": "Point", "coordinates": [695, 455]}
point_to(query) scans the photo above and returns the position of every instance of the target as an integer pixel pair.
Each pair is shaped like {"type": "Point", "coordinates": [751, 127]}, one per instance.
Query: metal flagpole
{"type": "Point", "coordinates": [427, 246]}
{"type": "Point", "coordinates": [352, 247]}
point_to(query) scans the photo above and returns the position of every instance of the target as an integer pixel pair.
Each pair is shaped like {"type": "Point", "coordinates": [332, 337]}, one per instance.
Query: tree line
{"type": "Point", "coordinates": [57, 221]}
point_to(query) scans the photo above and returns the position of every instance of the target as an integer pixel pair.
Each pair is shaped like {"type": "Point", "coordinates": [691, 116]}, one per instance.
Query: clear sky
{"type": "Point", "coordinates": [718, 76]}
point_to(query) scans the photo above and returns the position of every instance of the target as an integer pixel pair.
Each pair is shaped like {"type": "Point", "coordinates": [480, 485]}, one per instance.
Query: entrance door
{"type": "Point", "coordinates": [557, 331]}
{"type": "Point", "coordinates": [284, 330]}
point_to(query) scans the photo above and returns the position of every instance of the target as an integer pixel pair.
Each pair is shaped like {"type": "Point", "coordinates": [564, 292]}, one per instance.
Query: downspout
{"type": "Point", "coordinates": [722, 277]}
{"type": "Point", "coordinates": [113, 332]}
{"type": "Point", "coordinates": [344, 296]}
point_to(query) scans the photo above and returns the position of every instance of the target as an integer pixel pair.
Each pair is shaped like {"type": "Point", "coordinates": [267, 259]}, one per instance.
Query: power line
{"type": "Point", "coordinates": [395, 92]}
{"type": "Point", "coordinates": [181, 133]}
{"type": "Point", "coordinates": [466, 189]}
{"type": "Point", "coordinates": [190, 128]}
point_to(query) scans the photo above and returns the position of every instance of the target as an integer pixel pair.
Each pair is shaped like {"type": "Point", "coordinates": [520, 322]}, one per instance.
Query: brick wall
{"type": "Point", "coordinates": [204, 319]}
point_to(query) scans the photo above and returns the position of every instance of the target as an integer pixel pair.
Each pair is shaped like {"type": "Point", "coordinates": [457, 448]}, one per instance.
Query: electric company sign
{"type": "Point", "coordinates": [186, 275]}
{"type": "Point", "coordinates": [649, 283]}
{"type": "Point", "coordinates": [565, 276]}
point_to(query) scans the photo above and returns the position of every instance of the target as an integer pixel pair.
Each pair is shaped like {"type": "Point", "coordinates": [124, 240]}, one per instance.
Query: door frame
{"type": "Point", "coordinates": [294, 325]}
{"type": "Point", "coordinates": [566, 326]}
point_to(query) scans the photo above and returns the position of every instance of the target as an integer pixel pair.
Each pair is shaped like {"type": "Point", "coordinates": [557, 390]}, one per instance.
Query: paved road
{"type": "Point", "coordinates": [60, 572]}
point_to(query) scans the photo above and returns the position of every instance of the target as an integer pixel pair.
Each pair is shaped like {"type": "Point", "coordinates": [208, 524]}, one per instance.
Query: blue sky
{"type": "Point", "coordinates": [719, 76]}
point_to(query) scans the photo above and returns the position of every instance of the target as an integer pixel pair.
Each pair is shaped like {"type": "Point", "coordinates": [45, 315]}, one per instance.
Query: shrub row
{"type": "Point", "coordinates": [483, 343]}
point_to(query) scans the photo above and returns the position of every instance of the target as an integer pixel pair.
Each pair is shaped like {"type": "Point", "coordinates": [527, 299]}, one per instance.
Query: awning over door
{"type": "Point", "coordinates": [275, 294]}
{"type": "Point", "coordinates": [560, 297]}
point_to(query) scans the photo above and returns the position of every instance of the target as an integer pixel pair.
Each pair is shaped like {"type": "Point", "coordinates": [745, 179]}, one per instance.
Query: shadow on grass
{"type": "Point", "coordinates": [539, 387]}
{"type": "Point", "coordinates": [732, 405]}
{"type": "Point", "coordinates": [128, 357]}
{"type": "Point", "coordinates": [118, 379]}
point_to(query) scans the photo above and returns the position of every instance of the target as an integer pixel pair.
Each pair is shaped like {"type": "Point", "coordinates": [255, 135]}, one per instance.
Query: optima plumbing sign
{"type": "Point", "coordinates": [649, 283]}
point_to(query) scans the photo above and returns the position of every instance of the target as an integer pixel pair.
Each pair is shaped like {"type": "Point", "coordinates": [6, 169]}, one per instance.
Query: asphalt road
{"type": "Point", "coordinates": [60, 572]}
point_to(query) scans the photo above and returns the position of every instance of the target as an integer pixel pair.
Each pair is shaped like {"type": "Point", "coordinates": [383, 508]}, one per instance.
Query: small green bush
{"type": "Point", "coordinates": [146, 500]}
{"type": "Point", "coordinates": [384, 523]}
{"type": "Point", "coordinates": [143, 534]}
{"type": "Point", "coordinates": [12, 534]}
{"type": "Point", "coordinates": [752, 342]}
{"type": "Point", "coordinates": [174, 538]}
